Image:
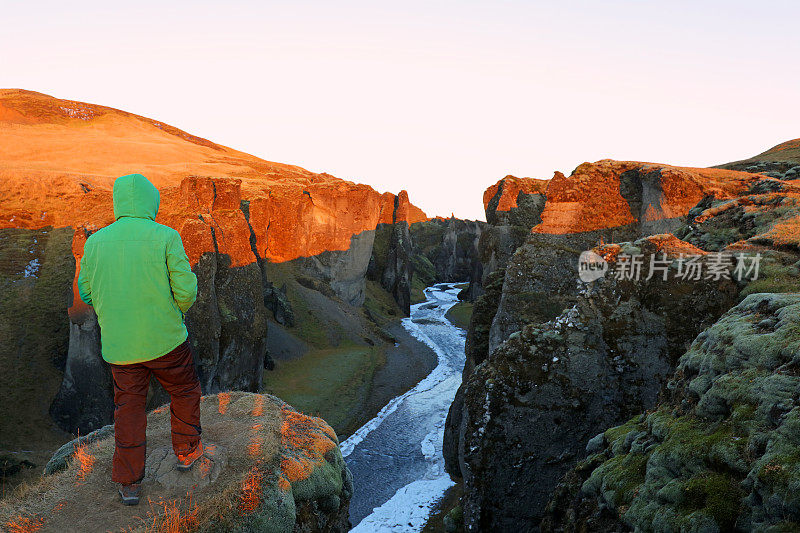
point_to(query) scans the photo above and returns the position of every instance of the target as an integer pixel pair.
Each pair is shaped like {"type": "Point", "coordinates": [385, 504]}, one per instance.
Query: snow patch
{"type": "Point", "coordinates": [408, 510]}
{"type": "Point", "coordinates": [31, 269]}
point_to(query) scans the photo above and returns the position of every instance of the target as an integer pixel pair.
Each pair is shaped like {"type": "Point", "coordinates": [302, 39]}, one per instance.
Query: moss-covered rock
{"type": "Point", "coordinates": [282, 472]}
{"type": "Point", "coordinates": [721, 453]}
{"type": "Point", "coordinates": [530, 407]}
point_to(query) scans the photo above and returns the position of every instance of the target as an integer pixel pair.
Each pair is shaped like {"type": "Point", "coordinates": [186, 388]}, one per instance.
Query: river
{"type": "Point", "coordinates": [396, 458]}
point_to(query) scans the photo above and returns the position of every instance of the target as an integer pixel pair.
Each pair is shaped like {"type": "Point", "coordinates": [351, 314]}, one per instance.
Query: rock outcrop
{"type": "Point", "coordinates": [513, 206]}
{"type": "Point", "coordinates": [85, 399]}
{"type": "Point", "coordinates": [549, 359]}
{"type": "Point", "coordinates": [720, 454]}
{"type": "Point", "coordinates": [614, 194]}
{"type": "Point", "coordinates": [530, 407]}
{"type": "Point", "coordinates": [446, 249]}
{"type": "Point", "coordinates": [397, 264]}
{"type": "Point", "coordinates": [267, 468]}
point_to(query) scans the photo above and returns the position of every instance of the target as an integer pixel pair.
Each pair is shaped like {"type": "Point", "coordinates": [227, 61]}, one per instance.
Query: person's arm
{"type": "Point", "coordinates": [84, 284]}
{"type": "Point", "coordinates": [181, 278]}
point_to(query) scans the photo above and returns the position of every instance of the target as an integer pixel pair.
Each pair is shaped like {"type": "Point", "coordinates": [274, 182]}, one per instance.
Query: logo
{"type": "Point", "coordinates": [591, 266]}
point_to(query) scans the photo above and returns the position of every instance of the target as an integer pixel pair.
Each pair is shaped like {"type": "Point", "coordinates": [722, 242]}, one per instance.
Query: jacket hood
{"type": "Point", "coordinates": [135, 196]}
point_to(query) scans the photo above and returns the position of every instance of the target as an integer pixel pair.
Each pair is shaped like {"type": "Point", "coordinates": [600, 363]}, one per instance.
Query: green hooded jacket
{"type": "Point", "coordinates": [135, 274]}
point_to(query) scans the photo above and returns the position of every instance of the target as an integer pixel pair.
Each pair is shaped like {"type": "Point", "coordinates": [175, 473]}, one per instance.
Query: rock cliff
{"type": "Point", "coordinates": [549, 358]}
{"type": "Point", "coordinates": [720, 454]}
{"type": "Point", "coordinates": [445, 249]}
{"type": "Point", "coordinates": [237, 215]}
{"type": "Point", "coordinates": [541, 394]}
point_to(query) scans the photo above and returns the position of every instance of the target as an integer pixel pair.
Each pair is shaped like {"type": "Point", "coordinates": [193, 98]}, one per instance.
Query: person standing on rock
{"type": "Point", "coordinates": [137, 277]}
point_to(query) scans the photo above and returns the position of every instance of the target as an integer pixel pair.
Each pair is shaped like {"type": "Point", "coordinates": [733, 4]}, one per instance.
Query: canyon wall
{"type": "Point", "coordinates": [276, 249]}
{"type": "Point", "coordinates": [237, 215]}
{"type": "Point", "coordinates": [552, 361]}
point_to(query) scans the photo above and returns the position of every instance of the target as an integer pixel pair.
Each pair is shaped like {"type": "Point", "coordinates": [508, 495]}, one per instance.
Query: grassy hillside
{"type": "Point", "coordinates": [36, 269]}
{"type": "Point", "coordinates": [788, 151]}
{"type": "Point", "coordinates": [343, 348]}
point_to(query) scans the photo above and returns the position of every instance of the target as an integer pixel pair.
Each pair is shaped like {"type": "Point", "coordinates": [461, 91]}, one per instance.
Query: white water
{"type": "Point", "coordinates": [396, 458]}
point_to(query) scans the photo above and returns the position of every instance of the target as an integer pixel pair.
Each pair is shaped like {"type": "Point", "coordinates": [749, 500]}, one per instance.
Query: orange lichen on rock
{"type": "Point", "coordinates": [665, 243]}
{"type": "Point", "coordinates": [591, 197]}
{"type": "Point", "coordinates": [258, 406]}
{"type": "Point", "coordinates": [608, 252]}
{"type": "Point", "coordinates": [256, 442]}
{"type": "Point", "coordinates": [224, 398]}
{"type": "Point", "coordinates": [25, 524]}
{"type": "Point", "coordinates": [250, 497]}
{"type": "Point", "coordinates": [511, 187]}
{"type": "Point", "coordinates": [308, 439]}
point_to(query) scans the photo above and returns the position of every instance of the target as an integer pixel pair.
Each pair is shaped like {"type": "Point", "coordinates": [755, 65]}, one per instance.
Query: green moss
{"type": "Point", "coordinates": [775, 275]}
{"type": "Point", "coordinates": [716, 495]}
{"type": "Point", "coordinates": [691, 437]}
{"type": "Point", "coordinates": [623, 475]}
{"type": "Point", "coordinates": [34, 328]}
{"type": "Point", "coordinates": [324, 482]}
{"type": "Point", "coordinates": [379, 305]}
{"type": "Point", "coordinates": [780, 469]}
{"type": "Point", "coordinates": [460, 314]}
{"type": "Point", "coordinates": [615, 433]}
{"type": "Point", "coordinates": [330, 383]}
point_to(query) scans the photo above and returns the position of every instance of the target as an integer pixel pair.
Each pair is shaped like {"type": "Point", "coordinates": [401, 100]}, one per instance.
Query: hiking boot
{"type": "Point", "coordinates": [185, 462]}
{"type": "Point", "coordinates": [130, 493]}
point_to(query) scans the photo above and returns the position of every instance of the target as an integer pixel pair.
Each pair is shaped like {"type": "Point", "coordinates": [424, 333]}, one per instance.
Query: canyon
{"type": "Point", "coordinates": [299, 273]}
{"type": "Point", "coordinates": [622, 403]}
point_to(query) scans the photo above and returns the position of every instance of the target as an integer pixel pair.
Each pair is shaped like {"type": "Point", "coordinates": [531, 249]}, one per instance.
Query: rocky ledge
{"type": "Point", "coordinates": [267, 468]}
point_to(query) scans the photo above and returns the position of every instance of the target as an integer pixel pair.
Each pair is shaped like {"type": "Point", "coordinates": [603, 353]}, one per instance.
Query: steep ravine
{"type": "Point", "coordinates": [396, 458]}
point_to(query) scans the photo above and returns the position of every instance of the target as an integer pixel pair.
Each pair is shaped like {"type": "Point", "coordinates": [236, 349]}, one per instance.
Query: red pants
{"type": "Point", "coordinates": [176, 373]}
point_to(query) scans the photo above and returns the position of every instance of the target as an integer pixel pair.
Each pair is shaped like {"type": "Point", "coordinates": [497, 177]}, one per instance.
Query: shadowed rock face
{"type": "Point", "coordinates": [85, 400]}
{"type": "Point", "coordinates": [548, 361]}
{"type": "Point", "coordinates": [396, 276]}
{"type": "Point", "coordinates": [513, 206]}
{"type": "Point", "coordinates": [530, 407]}
{"type": "Point", "coordinates": [719, 454]}
{"type": "Point", "coordinates": [267, 468]}
{"type": "Point", "coordinates": [446, 249]}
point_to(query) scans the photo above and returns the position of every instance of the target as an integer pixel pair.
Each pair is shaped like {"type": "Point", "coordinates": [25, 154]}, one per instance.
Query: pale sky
{"type": "Point", "coordinates": [439, 98]}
